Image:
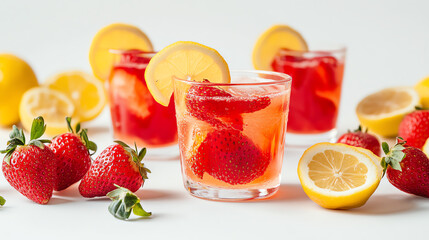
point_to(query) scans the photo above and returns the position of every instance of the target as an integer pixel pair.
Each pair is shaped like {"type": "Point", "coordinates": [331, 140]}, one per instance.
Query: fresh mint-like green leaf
{"type": "Point", "coordinates": [139, 211]}
{"type": "Point", "coordinates": [38, 127]}
{"type": "Point", "coordinates": [124, 202]}
{"type": "Point", "coordinates": [2, 201]}
{"type": "Point", "coordinates": [36, 143]}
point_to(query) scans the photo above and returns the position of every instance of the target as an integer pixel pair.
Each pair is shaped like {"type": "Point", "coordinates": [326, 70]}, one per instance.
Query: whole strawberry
{"type": "Point", "coordinates": [229, 156]}
{"type": "Point", "coordinates": [361, 139]}
{"type": "Point", "coordinates": [414, 128]}
{"type": "Point", "coordinates": [30, 168]}
{"type": "Point", "coordinates": [117, 164]}
{"type": "Point", "coordinates": [407, 168]}
{"type": "Point", "coordinates": [72, 155]}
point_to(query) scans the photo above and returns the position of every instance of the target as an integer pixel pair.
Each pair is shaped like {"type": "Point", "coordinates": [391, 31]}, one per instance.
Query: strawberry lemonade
{"type": "Point", "coordinates": [317, 79]}
{"type": "Point", "coordinates": [231, 125]}
{"type": "Point", "coordinates": [136, 116]}
{"type": "Point", "coordinates": [231, 136]}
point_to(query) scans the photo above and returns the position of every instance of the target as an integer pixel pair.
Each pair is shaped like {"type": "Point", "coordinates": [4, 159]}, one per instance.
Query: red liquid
{"type": "Point", "coordinates": [316, 91]}
{"type": "Point", "coordinates": [136, 116]}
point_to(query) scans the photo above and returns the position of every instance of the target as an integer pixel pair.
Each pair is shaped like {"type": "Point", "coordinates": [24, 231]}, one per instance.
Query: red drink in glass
{"type": "Point", "coordinates": [316, 89]}
{"type": "Point", "coordinates": [136, 116]}
{"type": "Point", "coordinates": [231, 136]}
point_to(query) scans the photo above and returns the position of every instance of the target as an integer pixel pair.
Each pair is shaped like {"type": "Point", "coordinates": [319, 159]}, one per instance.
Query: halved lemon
{"type": "Point", "coordinates": [85, 91]}
{"type": "Point", "coordinates": [426, 148]}
{"type": "Point", "coordinates": [383, 111]}
{"type": "Point", "coordinates": [54, 106]}
{"type": "Point", "coordinates": [272, 41]}
{"type": "Point", "coordinates": [184, 60]}
{"type": "Point", "coordinates": [422, 88]}
{"type": "Point", "coordinates": [117, 36]}
{"type": "Point", "coordinates": [338, 176]}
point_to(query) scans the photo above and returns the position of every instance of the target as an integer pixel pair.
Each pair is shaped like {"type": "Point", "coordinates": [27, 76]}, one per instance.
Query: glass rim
{"type": "Point", "coordinates": [132, 52]}
{"type": "Point", "coordinates": [285, 78]}
{"type": "Point", "coordinates": [318, 51]}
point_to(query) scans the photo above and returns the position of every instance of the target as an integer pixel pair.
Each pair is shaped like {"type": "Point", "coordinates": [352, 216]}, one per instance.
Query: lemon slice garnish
{"type": "Point", "coordinates": [383, 111]}
{"type": "Point", "coordinates": [117, 36]}
{"type": "Point", "coordinates": [338, 176]}
{"type": "Point", "coordinates": [54, 106]}
{"type": "Point", "coordinates": [85, 91]}
{"type": "Point", "coordinates": [184, 60]}
{"type": "Point", "coordinates": [272, 41]}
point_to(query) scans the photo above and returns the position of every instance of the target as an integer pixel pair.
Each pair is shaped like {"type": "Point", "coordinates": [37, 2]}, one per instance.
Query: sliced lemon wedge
{"type": "Point", "coordinates": [338, 176]}
{"type": "Point", "coordinates": [54, 106]}
{"type": "Point", "coordinates": [184, 60]}
{"type": "Point", "coordinates": [85, 91]}
{"type": "Point", "coordinates": [272, 41]}
{"type": "Point", "coordinates": [383, 111]}
{"type": "Point", "coordinates": [117, 36]}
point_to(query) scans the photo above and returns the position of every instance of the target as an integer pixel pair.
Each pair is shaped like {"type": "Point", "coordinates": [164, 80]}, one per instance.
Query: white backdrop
{"type": "Point", "coordinates": [388, 43]}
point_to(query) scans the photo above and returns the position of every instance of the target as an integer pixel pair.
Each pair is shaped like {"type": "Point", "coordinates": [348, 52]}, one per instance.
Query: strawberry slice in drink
{"type": "Point", "coordinates": [221, 108]}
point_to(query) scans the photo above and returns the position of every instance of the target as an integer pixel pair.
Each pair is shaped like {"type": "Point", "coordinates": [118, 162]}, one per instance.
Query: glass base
{"type": "Point", "coordinates": [306, 140]}
{"type": "Point", "coordinates": [229, 195]}
{"type": "Point", "coordinates": [163, 153]}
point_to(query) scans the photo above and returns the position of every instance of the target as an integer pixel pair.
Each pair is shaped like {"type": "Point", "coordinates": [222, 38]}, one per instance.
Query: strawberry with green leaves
{"type": "Point", "coordinates": [123, 202]}
{"type": "Point", "coordinates": [117, 164]}
{"type": "Point", "coordinates": [363, 139]}
{"type": "Point", "coordinates": [30, 168]}
{"type": "Point", "coordinates": [407, 168]}
{"type": "Point", "coordinates": [72, 153]}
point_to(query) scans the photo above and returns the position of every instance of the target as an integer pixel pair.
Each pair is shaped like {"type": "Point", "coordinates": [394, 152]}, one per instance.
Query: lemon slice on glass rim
{"type": "Point", "coordinates": [117, 36]}
{"type": "Point", "coordinates": [183, 60]}
{"type": "Point", "coordinates": [272, 41]}
{"type": "Point", "coordinates": [339, 176]}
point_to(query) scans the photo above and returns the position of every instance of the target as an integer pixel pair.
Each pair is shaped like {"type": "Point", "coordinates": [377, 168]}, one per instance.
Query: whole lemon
{"type": "Point", "coordinates": [16, 77]}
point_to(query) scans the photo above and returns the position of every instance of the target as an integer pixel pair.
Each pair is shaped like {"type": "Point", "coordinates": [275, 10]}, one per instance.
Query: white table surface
{"type": "Point", "coordinates": [388, 45]}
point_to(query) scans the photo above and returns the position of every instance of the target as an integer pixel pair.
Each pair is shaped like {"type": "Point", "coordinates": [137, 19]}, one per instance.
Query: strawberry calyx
{"type": "Point", "coordinates": [418, 108]}
{"type": "Point", "coordinates": [83, 134]}
{"type": "Point", "coordinates": [137, 157]}
{"type": "Point", "coordinates": [17, 138]}
{"type": "Point", "coordinates": [359, 129]}
{"type": "Point", "coordinates": [123, 202]}
{"type": "Point", "coordinates": [394, 155]}
{"type": "Point", "coordinates": [2, 201]}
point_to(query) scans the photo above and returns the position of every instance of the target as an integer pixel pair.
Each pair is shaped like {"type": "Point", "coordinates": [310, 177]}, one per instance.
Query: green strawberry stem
{"type": "Point", "coordinates": [83, 133]}
{"type": "Point", "coordinates": [137, 157]}
{"type": "Point", "coordinates": [17, 138]}
{"type": "Point", "coordinates": [2, 201]}
{"type": "Point", "coordinates": [123, 202]}
{"type": "Point", "coordinates": [394, 155]}
{"type": "Point", "coordinates": [420, 108]}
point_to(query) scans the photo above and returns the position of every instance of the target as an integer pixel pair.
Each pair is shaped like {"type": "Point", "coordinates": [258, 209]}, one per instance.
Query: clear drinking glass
{"type": "Point", "coordinates": [316, 91]}
{"type": "Point", "coordinates": [231, 136]}
{"type": "Point", "coordinates": [136, 116]}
